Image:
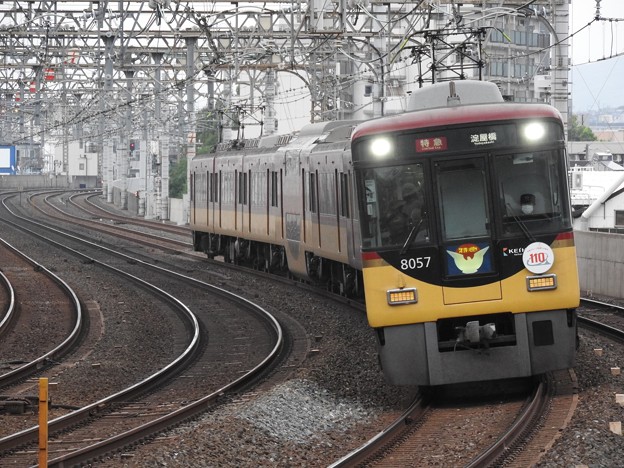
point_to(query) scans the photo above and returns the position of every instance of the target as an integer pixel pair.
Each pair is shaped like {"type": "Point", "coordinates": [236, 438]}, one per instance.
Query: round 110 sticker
{"type": "Point", "coordinates": [538, 258]}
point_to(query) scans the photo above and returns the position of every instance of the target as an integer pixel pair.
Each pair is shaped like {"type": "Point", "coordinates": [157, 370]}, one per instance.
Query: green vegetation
{"type": "Point", "coordinates": [207, 135]}
{"type": "Point", "coordinates": [207, 130]}
{"type": "Point", "coordinates": [177, 178]}
{"type": "Point", "coordinates": [579, 132]}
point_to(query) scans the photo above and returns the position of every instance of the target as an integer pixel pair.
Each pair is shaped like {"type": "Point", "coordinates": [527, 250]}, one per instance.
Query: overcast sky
{"type": "Point", "coordinates": [597, 71]}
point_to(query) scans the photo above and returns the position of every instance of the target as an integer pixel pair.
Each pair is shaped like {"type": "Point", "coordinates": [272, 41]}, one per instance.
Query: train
{"type": "Point", "coordinates": [452, 220]}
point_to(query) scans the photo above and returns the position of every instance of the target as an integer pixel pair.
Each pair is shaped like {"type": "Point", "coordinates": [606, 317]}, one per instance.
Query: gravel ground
{"type": "Point", "coordinates": [340, 392]}
{"type": "Point", "coordinates": [588, 439]}
{"type": "Point", "coordinates": [326, 381]}
{"type": "Point", "coordinates": [348, 403]}
{"type": "Point", "coordinates": [129, 336]}
{"type": "Point", "coordinates": [337, 399]}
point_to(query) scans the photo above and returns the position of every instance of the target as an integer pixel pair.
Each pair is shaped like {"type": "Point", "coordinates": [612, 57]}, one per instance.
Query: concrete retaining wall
{"type": "Point", "coordinates": [21, 182]}
{"type": "Point", "coordinates": [45, 181]}
{"type": "Point", "coordinates": [177, 211]}
{"type": "Point", "coordinates": [601, 263]}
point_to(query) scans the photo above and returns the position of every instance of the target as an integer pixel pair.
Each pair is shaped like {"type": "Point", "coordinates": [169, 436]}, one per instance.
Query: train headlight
{"type": "Point", "coordinates": [542, 282]}
{"type": "Point", "coordinates": [380, 147]}
{"type": "Point", "coordinates": [402, 296]}
{"type": "Point", "coordinates": [534, 131]}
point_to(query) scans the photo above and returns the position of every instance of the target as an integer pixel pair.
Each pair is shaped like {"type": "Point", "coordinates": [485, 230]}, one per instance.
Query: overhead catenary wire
{"type": "Point", "coordinates": [389, 57]}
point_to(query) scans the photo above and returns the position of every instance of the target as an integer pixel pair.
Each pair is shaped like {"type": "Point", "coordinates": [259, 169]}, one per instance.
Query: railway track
{"type": "Point", "coordinates": [140, 418]}
{"type": "Point", "coordinates": [521, 456]}
{"type": "Point", "coordinates": [42, 322]}
{"type": "Point", "coordinates": [116, 226]}
{"type": "Point", "coordinates": [533, 428]}
{"type": "Point", "coordinates": [461, 431]}
{"type": "Point", "coordinates": [602, 317]}
{"type": "Point", "coordinates": [85, 203]}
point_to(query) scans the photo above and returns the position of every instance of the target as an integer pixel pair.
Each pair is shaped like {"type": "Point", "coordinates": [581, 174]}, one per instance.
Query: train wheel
{"type": "Point", "coordinates": [258, 255]}
{"type": "Point", "coordinates": [277, 260]}
{"type": "Point", "coordinates": [228, 254]}
{"type": "Point", "coordinates": [350, 282]}
{"type": "Point", "coordinates": [265, 253]}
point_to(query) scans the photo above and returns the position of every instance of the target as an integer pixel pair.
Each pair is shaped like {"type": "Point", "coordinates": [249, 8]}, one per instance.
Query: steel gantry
{"type": "Point", "coordinates": [104, 74]}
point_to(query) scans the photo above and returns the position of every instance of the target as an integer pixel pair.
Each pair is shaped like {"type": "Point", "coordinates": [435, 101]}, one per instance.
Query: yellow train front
{"type": "Point", "coordinates": [469, 262]}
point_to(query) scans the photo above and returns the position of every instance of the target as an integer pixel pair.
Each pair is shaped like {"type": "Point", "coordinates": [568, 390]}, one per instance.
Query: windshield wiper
{"type": "Point", "coordinates": [521, 224]}
{"type": "Point", "coordinates": [412, 235]}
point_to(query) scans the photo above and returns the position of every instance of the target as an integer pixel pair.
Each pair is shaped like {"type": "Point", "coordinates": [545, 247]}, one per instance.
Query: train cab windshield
{"type": "Point", "coordinates": [528, 197]}
{"type": "Point", "coordinates": [533, 193]}
{"type": "Point", "coordinates": [395, 209]}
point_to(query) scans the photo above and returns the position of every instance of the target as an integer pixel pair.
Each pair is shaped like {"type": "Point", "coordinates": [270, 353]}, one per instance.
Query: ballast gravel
{"type": "Point", "coordinates": [337, 399]}
{"type": "Point", "coordinates": [299, 410]}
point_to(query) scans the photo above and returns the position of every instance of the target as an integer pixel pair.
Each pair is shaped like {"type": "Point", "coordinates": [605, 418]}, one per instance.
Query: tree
{"type": "Point", "coordinates": [177, 179]}
{"type": "Point", "coordinates": [579, 132]}
{"type": "Point", "coordinates": [206, 139]}
{"type": "Point", "coordinates": [207, 130]}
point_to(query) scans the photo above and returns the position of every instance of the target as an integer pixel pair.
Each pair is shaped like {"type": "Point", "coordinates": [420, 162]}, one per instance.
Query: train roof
{"type": "Point", "coordinates": [328, 132]}
{"type": "Point", "coordinates": [453, 93]}
{"type": "Point", "coordinates": [455, 103]}
{"type": "Point", "coordinates": [455, 115]}
{"type": "Point", "coordinates": [326, 128]}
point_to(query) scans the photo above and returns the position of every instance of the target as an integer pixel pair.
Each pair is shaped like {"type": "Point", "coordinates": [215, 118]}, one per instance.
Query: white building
{"type": "Point", "coordinates": [81, 165]}
{"type": "Point", "coordinates": [597, 200]}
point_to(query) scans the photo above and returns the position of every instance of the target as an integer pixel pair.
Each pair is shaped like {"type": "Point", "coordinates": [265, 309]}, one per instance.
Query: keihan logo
{"type": "Point", "coordinates": [468, 257]}
{"type": "Point", "coordinates": [515, 252]}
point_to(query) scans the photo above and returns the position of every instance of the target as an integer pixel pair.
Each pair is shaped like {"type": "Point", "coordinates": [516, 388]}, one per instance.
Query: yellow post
{"type": "Point", "coordinates": [43, 422]}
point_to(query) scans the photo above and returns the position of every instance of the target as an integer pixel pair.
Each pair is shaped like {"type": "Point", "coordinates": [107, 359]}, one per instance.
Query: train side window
{"type": "Point", "coordinates": [242, 188]}
{"type": "Point", "coordinates": [257, 187]}
{"type": "Point", "coordinates": [208, 181]}
{"type": "Point", "coordinates": [274, 186]}
{"type": "Point", "coordinates": [313, 195]}
{"type": "Point", "coordinates": [228, 187]}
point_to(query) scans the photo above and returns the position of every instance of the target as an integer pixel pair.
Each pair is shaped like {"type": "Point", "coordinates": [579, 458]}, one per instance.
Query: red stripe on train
{"type": "Point", "coordinates": [370, 256]}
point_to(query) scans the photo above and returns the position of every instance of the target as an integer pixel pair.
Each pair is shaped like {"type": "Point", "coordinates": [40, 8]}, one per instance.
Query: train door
{"type": "Point", "coordinates": [206, 189]}
{"type": "Point", "coordinates": [338, 198]}
{"type": "Point", "coordinates": [275, 219]}
{"type": "Point", "coordinates": [240, 200]}
{"type": "Point", "coordinates": [243, 202]}
{"type": "Point", "coordinates": [267, 208]}
{"type": "Point", "coordinates": [219, 194]}
{"type": "Point", "coordinates": [213, 190]}
{"type": "Point", "coordinates": [212, 180]}
{"type": "Point", "coordinates": [347, 212]}
{"type": "Point", "coordinates": [312, 217]}
{"type": "Point", "coordinates": [257, 210]}
{"type": "Point", "coordinates": [236, 199]}
{"type": "Point", "coordinates": [193, 197]}
{"type": "Point", "coordinates": [466, 230]}
{"type": "Point", "coordinates": [293, 189]}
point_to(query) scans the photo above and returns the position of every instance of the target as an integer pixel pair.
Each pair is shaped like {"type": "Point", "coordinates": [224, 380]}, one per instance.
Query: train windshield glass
{"type": "Point", "coordinates": [532, 192]}
{"type": "Point", "coordinates": [394, 212]}
{"type": "Point", "coordinates": [462, 198]}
